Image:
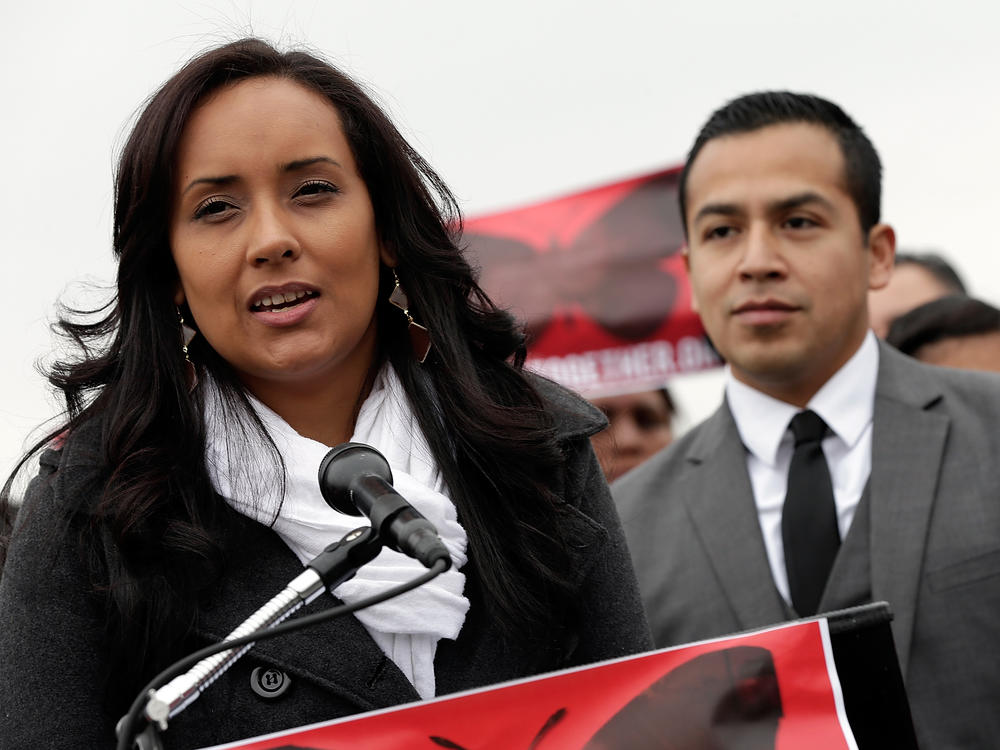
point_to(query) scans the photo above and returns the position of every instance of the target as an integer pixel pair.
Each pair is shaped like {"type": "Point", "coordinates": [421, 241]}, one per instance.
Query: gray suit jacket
{"type": "Point", "coordinates": [930, 517]}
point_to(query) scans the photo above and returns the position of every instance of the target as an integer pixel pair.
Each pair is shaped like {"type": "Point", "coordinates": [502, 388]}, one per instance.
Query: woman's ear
{"type": "Point", "coordinates": [179, 295]}
{"type": "Point", "coordinates": [388, 255]}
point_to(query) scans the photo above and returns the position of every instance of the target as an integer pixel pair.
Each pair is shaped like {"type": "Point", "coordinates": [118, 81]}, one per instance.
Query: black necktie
{"type": "Point", "coordinates": [809, 517]}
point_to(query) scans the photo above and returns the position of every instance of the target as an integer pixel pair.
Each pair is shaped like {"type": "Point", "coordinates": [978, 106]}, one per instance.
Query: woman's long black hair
{"type": "Point", "coordinates": [154, 540]}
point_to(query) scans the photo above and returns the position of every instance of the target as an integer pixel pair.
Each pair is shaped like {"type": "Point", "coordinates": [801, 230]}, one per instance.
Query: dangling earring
{"type": "Point", "coordinates": [419, 337]}
{"type": "Point", "coordinates": [187, 334]}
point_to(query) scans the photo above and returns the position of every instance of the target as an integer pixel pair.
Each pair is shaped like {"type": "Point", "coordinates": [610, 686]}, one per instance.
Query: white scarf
{"type": "Point", "coordinates": [408, 627]}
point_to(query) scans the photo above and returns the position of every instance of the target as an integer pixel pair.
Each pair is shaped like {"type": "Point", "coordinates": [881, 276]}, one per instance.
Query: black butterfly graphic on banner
{"type": "Point", "coordinates": [613, 269]}
{"type": "Point", "coordinates": [721, 700]}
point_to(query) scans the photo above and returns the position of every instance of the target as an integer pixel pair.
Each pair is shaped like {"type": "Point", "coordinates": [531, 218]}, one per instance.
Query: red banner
{"type": "Point", "coordinates": [774, 689]}
{"type": "Point", "coordinates": [598, 279]}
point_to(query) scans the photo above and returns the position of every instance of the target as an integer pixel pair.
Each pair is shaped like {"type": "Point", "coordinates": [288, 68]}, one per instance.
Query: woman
{"type": "Point", "coordinates": [288, 282]}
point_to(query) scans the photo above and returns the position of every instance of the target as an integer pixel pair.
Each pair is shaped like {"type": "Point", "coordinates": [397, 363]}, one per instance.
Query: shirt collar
{"type": "Point", "coordinates": [846, 402]}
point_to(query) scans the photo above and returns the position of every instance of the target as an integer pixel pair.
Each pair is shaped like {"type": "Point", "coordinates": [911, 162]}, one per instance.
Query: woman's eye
{"type": "Point", "coordinates": [213, 208]}
{"type": "Point", "coordinates": [316, 187]}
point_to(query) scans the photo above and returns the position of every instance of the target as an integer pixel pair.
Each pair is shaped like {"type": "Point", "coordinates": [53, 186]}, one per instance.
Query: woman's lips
{"type": "Point", "coordinates": [271, 300]}
{"type": "Point", "coordinates": [279, 295]}
{"type": "Point", "coordinates": [288, 315]}
{"type": "Point", "coordinates": [279, 305]}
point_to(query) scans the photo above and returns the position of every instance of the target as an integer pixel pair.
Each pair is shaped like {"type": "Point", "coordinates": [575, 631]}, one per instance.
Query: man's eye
{"type": "Point", "coordinates": [648, 420]}
{"type": "Point", "coordinates": [720, 233]}
{"type": "Point", "coordinates": [799, 222]}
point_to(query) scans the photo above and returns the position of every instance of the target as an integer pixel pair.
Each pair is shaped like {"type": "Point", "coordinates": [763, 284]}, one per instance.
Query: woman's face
{"type": "Point", "coordinates": [273, 235]}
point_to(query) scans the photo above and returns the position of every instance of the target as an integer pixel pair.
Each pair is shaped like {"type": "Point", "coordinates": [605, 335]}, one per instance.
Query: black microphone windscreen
{"type": "Point", "coordinates": [342, 466]}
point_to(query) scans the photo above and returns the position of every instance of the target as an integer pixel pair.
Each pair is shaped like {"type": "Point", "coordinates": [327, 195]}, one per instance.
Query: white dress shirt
{"type": "Point", "coordinates": [846, 403]}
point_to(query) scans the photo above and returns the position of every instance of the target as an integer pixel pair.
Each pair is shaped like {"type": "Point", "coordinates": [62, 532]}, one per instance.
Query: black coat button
{"type": "Point", "coordinates": [269, 683]}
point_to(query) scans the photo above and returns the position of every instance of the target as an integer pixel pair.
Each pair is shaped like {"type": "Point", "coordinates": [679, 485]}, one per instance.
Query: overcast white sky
{"type": "Point", "coordinates": [511, 101]}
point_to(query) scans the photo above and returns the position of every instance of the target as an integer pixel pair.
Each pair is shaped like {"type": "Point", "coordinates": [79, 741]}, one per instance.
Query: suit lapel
{"type": "Point", "coordinates": [338, 655]}
{"type": "Point", "coordinates": [721, 506]}
{"type": "Point", "coordinates": [850, 578]}
{"type": "Point", "coordinates": [907, 449]}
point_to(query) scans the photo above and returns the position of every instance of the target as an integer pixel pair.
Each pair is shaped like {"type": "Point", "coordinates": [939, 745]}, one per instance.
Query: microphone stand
{"type": "Point", "coordinates": [334, 565]}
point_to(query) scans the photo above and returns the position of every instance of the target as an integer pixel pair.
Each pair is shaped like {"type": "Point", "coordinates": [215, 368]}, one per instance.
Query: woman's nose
{"type": "Point", "coordinates": [271, 239]}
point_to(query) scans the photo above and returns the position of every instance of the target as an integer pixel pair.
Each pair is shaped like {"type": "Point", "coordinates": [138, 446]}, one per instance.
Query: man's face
{"type": "Point", "coordinates": [780, 268]}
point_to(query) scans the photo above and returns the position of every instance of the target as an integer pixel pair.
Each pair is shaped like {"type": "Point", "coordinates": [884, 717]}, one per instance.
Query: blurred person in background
{"type": "Point", "coordinates": [639, 424]}
{"type": "Point", "coordinates": [953, 331]}
{"type": "Point", "coordinates": [916, 278]}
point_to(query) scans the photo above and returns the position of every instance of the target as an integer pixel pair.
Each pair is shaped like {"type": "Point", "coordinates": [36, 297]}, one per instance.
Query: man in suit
{"type": "Point", "coordinates": [730, 527]}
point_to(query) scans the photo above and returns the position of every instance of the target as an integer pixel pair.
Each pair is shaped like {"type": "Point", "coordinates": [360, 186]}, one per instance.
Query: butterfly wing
{"type": "Point", "coordinates": [628, 289]}
{"type": "Point", "coordinates": [515, 276]}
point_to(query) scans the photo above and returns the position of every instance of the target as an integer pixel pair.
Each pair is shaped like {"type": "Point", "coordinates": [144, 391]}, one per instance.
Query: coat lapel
{"type": "Point", "coordinates": [907, 449]}
{"type": "Point", "coordinates": [720, 504]}
{"type": "Point", "coordinates": [850, 578]}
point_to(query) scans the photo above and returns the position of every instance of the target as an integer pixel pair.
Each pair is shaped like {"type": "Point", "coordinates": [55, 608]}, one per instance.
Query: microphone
{"type": "Point", "coordinates": [355, 479]}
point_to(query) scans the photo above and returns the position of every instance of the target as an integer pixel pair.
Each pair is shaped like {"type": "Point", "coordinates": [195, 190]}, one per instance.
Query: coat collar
{"type": "Point", "coordinates": [575, 417]}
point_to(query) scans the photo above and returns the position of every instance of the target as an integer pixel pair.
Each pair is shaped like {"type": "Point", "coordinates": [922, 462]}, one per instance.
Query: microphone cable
{"type": "Point", "coordinates": [126, 729]}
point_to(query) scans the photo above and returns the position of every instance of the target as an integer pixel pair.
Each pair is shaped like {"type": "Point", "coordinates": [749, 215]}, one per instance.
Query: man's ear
{"type": "Point", "coordinates": [882, 255]}
{"type": "Point", "coordinates": [686, 255]}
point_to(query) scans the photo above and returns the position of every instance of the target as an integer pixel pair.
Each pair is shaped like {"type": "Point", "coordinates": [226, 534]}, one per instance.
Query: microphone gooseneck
{"type": "Point", "coordinates": [355, 479]}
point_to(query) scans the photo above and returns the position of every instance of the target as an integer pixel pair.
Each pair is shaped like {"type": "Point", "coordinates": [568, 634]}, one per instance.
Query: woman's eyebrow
{"type": "Point", "coordinates": [291, 166]}
{"type": "Point", "coordinates": [220, 181]}
{"type": "Point", "coordinates": [302, 163]}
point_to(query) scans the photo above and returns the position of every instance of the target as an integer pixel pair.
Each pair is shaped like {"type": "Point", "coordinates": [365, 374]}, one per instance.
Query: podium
{"type": "Point", "coordinates": [874, 696]}
{"type": "Point", "coordinates": [826, 683]}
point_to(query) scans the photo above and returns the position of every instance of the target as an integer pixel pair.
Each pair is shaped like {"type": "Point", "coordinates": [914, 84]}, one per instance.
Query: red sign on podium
{"type": "Point", "coordinates": [775, 689]}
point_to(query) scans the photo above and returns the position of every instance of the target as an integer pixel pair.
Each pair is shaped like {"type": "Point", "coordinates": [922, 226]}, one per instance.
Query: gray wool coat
{"type": "Point", "coordinates": [52, 657]}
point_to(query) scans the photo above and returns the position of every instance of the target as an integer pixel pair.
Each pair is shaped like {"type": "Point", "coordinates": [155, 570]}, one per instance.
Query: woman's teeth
{"type": "Point", "coordinates": [280, 301]}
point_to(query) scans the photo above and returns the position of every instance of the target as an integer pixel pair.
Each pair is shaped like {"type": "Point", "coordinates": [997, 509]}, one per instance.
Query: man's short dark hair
{"type": "Point", "coordinates": [937, 267]}
{"type": "Point", "coordinates": [862, 168]}
{"type": "Point", "coordinates": [944, 318]}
